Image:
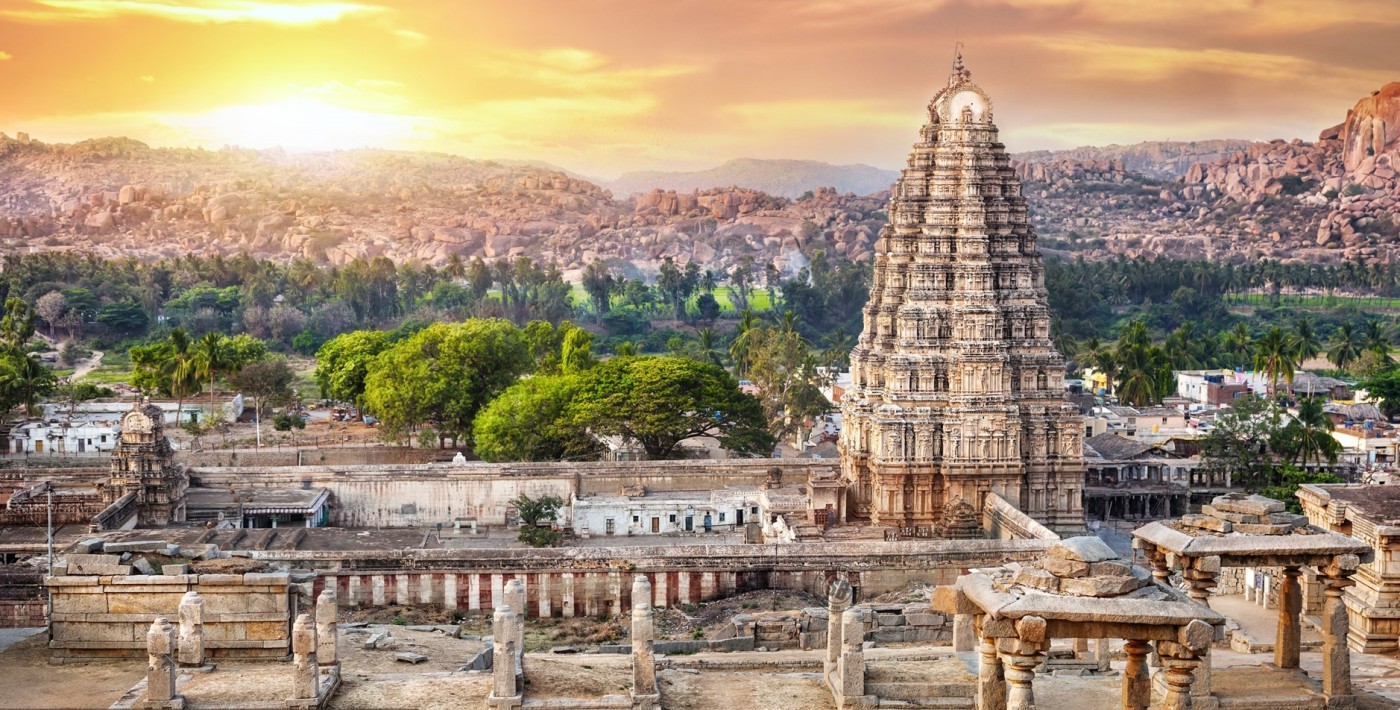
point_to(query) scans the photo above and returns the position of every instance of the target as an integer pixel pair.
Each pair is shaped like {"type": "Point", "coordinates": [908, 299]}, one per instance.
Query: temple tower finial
{"type": "Point", "coordinates": [960, 72]}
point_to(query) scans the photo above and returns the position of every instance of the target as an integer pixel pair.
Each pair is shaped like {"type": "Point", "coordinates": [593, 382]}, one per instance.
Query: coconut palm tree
{"type": "Point", "coordinates": [739, 349]}
{"type": "Point", "coordinates": [1305, 341]}
{"type": "Point", "coordinates": [184, 378]}
{"type": "Point", "coordinates": [1309, 436]}
{"type": "Point", "coordinates": [707, 347]}
{"type": "Point", "coordinates": [26, 381]}
{"type": "Point", "coordinates": [1345, 346]}
{"type": "Point", "coordinates": [211, 356]}
{"type": "Point", "coordinates": [1274, 356]}
{"type": "Point", "coordinates": [1239, 344]}
{"type": "Point", "coordinates": [1377, 338]}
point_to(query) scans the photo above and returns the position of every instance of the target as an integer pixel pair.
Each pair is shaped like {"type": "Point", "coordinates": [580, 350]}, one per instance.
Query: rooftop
{"type": "Point", "coordinates": [257, 499]}
{"type": "Point", "coordinates": [1380, 504]}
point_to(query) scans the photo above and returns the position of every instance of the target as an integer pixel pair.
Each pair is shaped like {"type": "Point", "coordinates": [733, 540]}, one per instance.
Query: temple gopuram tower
{"type": "Point", "coordinates": [957, 389]}
{"type": "Point", "coordinates": [144, 464]}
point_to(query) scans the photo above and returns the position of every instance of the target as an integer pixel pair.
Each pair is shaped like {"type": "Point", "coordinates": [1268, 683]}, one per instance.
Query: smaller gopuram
{"type": "Point", "coordinates": [143, 464]}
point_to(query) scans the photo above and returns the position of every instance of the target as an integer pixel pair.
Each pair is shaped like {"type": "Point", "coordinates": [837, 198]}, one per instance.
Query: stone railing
{"type": "Point", "coordinates": [1003, 521]}
{"type": "Point", "coordinates": [117, 515]}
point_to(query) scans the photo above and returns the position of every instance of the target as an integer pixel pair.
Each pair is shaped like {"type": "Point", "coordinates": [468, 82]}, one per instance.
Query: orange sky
{"type": "Point", "coordinates": [603, 86]}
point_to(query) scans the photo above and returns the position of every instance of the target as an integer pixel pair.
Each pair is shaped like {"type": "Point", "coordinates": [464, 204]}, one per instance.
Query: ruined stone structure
{"type": "Point", "coordinates": [956, 386]}
{"type": "Point", "coordinates": [143, 466]}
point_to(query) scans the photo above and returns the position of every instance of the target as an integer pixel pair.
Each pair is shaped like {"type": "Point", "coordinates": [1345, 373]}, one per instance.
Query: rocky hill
{"type": "Point", "coordinates": [118, 197]}
{"type": "Point", "coordinates": [785, 178]}
{"type": "Point", "coordinates": [1163, 160]}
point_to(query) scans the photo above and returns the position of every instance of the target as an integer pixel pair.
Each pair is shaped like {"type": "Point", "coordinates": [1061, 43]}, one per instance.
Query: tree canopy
{"type": "Point", "coordinates": [530, 421]}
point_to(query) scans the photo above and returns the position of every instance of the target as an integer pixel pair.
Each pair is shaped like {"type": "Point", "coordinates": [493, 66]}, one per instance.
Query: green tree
{"type": "Point", "coordinates": [1290, 479]}
{"type": "Point", "coordinates": [1275, 356]}
{"type": "Point", "coordinates": [1240, 447]}
{"type": "Point", "coordinates": [1384, 387]}
{"type": "Point", "coordinates": [268, 381]}
{"type": "Point", "coordinates": [1308, 436]}
{"type": "Point", "coordinates": [211, 357]}
{"type": "Point", "coordinates": [124, 317]}
{"type": "Point", "coordinates": [342, 364]}
{"type": "Point", "coordinates": [529, 421]}
{"type": "Point", "coordinates": [24, 381]}
{"type": "Point", "coordinates": [1239, 343]}
{"type": "Point", "coordinates": [784, 370]}
{"type": "Point", "coordinates": [600, 285]}
{"type": "Point", "coordinates": [1306, 344]}
{"type": "Point", "coordinates": [444, 375]}
{"type": "Point", "coordinates": [660, 401]}
{"type": "Point", "coordinates": [1345, 346]}
{"type": "Point", "coordinates": [537, 516]}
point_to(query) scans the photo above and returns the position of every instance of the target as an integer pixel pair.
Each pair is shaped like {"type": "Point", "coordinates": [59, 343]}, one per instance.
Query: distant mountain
{"type": "Point", "coordinates": [786, 178]}
{"type": "Point", "coordinates": [1164, 160]}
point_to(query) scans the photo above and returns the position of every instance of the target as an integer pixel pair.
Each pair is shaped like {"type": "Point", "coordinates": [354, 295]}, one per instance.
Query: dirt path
{"type": "Point", "coordinates": [89, 365]}
{"type": "Point", "coordinates": [33, 683]}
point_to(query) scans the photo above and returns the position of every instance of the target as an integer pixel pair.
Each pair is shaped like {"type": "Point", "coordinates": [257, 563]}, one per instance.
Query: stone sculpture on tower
{"type": "Point", "coordinates": [957, 388]}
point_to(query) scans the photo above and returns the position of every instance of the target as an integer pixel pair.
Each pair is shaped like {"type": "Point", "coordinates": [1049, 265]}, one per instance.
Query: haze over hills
{"type": "Point", "coordinates": [1323, 201]}
{"type": "Point", "coordinates": [784, 178]}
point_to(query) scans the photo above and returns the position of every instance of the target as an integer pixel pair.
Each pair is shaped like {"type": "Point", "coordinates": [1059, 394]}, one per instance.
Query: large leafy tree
{"type": "Point", "coordinates": [268, 381]}
{"type": "Point", "coordinates": [24, 380]}
{"type": "Point", "coordinates": [660, 401]}
{"type": "Point", "coordinates": [530, 421]}
{"type": "Point", "coordinates": [1242, 444]}
{"type": "Point", "coordinates": [342, 364]}
{"type": "Point", "coordinates": [600, 284]}
{"type": "Point", "coordinates": [785, 372]}
{"type": "Point", "coordinates": [1384, 387]}
{"type": "Point", "coordinates": [444, 375]}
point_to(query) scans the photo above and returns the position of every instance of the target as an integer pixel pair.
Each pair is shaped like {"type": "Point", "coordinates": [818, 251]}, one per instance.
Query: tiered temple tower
{"type": "Point", "coordinates": [957, 389]}
{"type": "Point", "coordinates": [143, 463]}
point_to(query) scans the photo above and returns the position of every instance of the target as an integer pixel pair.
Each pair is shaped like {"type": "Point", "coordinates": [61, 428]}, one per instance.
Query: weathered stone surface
{"type": "Point", "coordinates": [1206, 522]}
{"type": "Point", "coordinates": [1100, 586]}
{"type": "Point", "coordinates": [1036, 579]}
{"type": "Point", "coordinates": [1082, 549]}
{"type": "Point", "coordinates": [1110, 568]}
{"type": "Point", "coordinates": [1225, 515]}
{"type": "Point", "coordinates": [1065, 567]}
{"type": "Point", "coordinates": [410, 657]}
{"type": "Point", "coordinates": [1248, 505]}
{"type": "Point", "coordinates": [1263, 529]}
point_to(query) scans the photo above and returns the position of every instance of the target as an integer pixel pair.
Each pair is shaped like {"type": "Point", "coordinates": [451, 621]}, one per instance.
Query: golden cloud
{"type": "Point", "coordinates": [5, 56]}
{"type": "Point", "coordinates": [197, 11]}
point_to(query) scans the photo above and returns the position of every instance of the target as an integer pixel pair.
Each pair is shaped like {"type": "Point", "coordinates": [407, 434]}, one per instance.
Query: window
{"type": "Point", "coordinates": [671, 517]}
{"type": "Point", "coordinates": [611, 526]}
{"type": "Point", "coordinates": [754, 510]}
{"type": "Point", "coordinates": [721, 517]}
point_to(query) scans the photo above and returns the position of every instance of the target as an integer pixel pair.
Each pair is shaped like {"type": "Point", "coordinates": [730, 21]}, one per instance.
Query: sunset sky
{"type": "Point", "coordinates": [603, 86]}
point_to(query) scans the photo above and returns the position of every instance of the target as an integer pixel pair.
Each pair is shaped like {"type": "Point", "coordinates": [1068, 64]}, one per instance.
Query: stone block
{"type": "Point", "coordinates": [265, 630]}
{"type": "Point", "coordinates": [121, 632]}
{"type": "Point", "coordinates": [266, 602]}
{"type": "Point", "coordinates": [68, 603]}
{"type": "Point", "coordinates": [1206, 522]}
{"type": "Point", "coordinates": [1226, 515]}
{"type": "Point", "coordinates": [889, 619]}
{"type": "Point", "coordinates": [175, 569]}
{"type": "Point", "coordinates": [220, 580]}
{"type": "Point", "coordinates": [93, 564]}
{"type": "Point", "coordinates": [1263, 529]}
{"type": "Point", "coordinates": [135, 546]}
{"type": "Point", "coordinates": [217, 603]}
{"type": "Point", "coordinates": [271, 579]}
{"type": "Point", "coordinates": [925, 619]}
{"type": "Point", "coordinates": [1110, 569]}
{"type": "Point", "coordinates": [1036, 579]}
{"type": "Point", "coordinates": [1100, 586]}
{"type": "Point", "coordinates": [1065, 567]}
{"type": "Point", "coordinates": [1291, 519]}
{"type": "Point", "coordinates": [1248, 505]}
{"type": "Point", "coordinates": [88, 546]}
{"type": "Point", "coordinates": [1083, 549]}
{"type": "Point", "coordinates": [143, 566]}
{"type": "Point", "coordinates": [143, 603]}
{"type": "Point", "coordinates": [409, 657]}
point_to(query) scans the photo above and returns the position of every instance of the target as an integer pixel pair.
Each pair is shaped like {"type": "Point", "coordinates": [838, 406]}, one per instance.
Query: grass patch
{"type": "Point", "coordinates": [107, 376]}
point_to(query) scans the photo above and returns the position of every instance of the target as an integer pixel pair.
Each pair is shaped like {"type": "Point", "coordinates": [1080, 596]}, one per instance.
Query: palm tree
{"type": "Point", "coordinates": [1144, 373]}
{"type": "Point", "coordinates": [1240, 344]}
{"type": "Point", "coordinates": [739, 349]}
{"type": "Point", "coordinates": [211, 356]}
{"type": "Point", "coordinates": [27, 379]}
{"type": "Point", "coordinates": [1377, 339]}
{"type": "Point", "coordinates": [1309, 435]}
{"type": "Point", "coordinates": [1305, 341]}
{"type": "Point", "coordinates": [1181, 347]}
{"type": "Point", "coordinates": [1273, 355]}
{"type": "Point", "coordinates": [1345, 346]}
{"type": "Point", "coordinates": [707, 348]}
{"type": "Point", "coordinates": [184, 380]}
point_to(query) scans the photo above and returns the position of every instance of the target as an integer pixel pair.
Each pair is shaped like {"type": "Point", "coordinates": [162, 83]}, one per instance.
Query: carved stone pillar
{"type": "Point", "coordinates": [838, 600]}
{"type": "Point", "coordinates": [964, 637]}
{"type": "Point", "coordinates": [991, 678]}
{"type": "Point", "coordinates": [160, 667]}
{"type": "Point", "coordinates": [306, 673]}
{"type": "Point", "coordinates": [505, 693]}
{"type": "Point", "coordinates": [851, 667]}
{"type": "Point", "coordinates": [1020, 675]}
{"type": "Point", "coordinates": [1336, 657]}
{"type": "Point", "coordinates": [1137, 689]}
{"type": "Point", "coordinates": [327, 633]}
{"type": "Point", "coordinates": [1290, 607]}
{"type": "Point", "coordinates": [192, 629]}
{"type": "Point", "coordinates": [643, 659]}
{"type": "Point", "coordinates": [1178, 670]}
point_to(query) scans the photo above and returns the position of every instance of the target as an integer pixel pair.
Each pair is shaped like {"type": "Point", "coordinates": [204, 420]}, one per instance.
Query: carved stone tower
{"type": "Point", "coordinates": [957, 389]}
{"type": "Point", "coordinates": [143, 463]}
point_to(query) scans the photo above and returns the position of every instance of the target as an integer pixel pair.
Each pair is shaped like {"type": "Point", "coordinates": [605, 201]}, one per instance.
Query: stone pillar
{"type": "Point", "coordinates": [1020, 674]}
{"type": "Point", "coordinates": [192, 629]}
{"type": "Point", "coordinates": [1178, 666]}
{"type": "Point", "coordinates": [306, 674]}
{"type": "Point", "coordinates": [1200, 573]}
{"type": "Point", "coordinates": [1137, 690]}
{"type": "Point", "coordinates": [160, 668]}
{"type": "Point", "coordinates": [1336, 657]}
{"type": "Point", "coordinates": [1290, 632]}
{"type": "Point", "coordinates": [838, 600]}
{"type": "Point", "coordinates": [1102, 654]}
{"type": "Point", "coordinates": [327, 633]}
{"type": "Point", "coordinates": [991, 678]}
{"type": "Point", "coordinates": [505, 693]}
{"type": "Point", "coordinates": [643, 659]}
{"type": "Point", "coordinates": [850, 669]}
{"type": "Point", "coordinates": [514, 595]}
{"type": "Point", "coordinates": [1081, 649]}
{"type": "Point", "coordinates": [964, 636]}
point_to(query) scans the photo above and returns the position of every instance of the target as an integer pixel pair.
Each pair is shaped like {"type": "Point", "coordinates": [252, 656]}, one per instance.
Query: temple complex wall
{"type": "Point", "coordinates": [415, 495]}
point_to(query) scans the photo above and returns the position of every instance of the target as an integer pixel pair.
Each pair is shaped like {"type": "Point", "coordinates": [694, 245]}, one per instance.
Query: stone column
{"type": "Point", "coordinates": [1102, 654]}
{"type": "Point", "coordinates": [850, 669]}
{"type": "Point", "coordinates": [964, 637]}
{"type": "Point", "coordinates": [1200, 573]}
{"type": "Point", "coordinates": [1336, 657]}
{"type": "Point", "coordinates": [1137, 689]}
{"type": "Point", "coordinates": [192, 629]}
{"type": "Point", "coordinates": [838, 600]}
{"type": "Point", "coordinates": [327, 633]}
{"type": "Point", "coordinates": [1081, 649]}
{"type": "Point", "coordinates": [991, 679]}
{"type": "Point", "coordinates": [1178, 666]}
{"type": "Point", "coordinates": [643, 659]}
{"type": "Point", "coordinates": [1020, 656]}
{"type": "Point", "coordinates": [1290, 632]}
{"type": "Point", "coordinates": [505, 693]}
{"type": "Point", "coordinates": [306, 675]}
{"type": "Point", "coordinates": [160, 668]}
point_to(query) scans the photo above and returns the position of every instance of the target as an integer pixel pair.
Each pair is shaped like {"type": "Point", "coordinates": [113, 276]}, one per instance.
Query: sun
{"type": "Point", "coordinates": [299, 124]}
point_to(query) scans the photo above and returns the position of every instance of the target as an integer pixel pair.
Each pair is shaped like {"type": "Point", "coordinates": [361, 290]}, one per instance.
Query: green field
{"type": "Point", "coordinates": [758, 298]}
{"type": "Point", "coordinates": [1293, 300]}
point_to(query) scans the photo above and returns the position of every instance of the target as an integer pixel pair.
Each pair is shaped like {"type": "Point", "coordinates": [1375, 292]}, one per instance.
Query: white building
{"type": "Point", "coordinates": [663, 513]}
{"type": "Point", "coordinates": [85, 434]}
